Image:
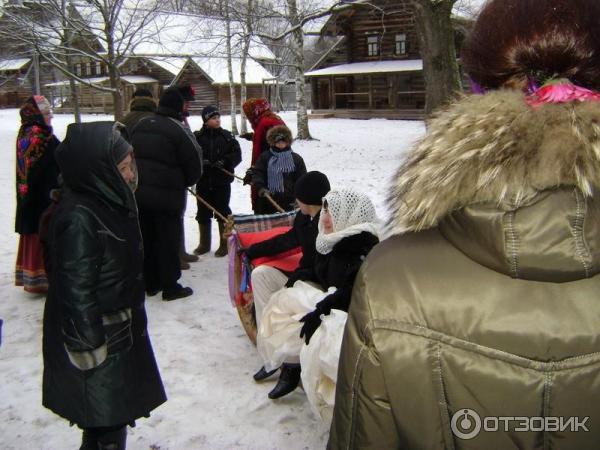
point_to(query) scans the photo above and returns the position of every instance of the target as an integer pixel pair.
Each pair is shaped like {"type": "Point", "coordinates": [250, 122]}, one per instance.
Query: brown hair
{"type": "Point", "coordinates": [514, 40]}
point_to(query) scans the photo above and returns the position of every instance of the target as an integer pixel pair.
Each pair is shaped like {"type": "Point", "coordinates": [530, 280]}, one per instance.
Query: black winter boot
{"type": "Point", "coordinates": [89, 440]}
{"type": "Point", "coordinates": [177, 292]}
{"type": "Point", "coordinates": [184, 256]}
{"type": "Point", "coordinates": [113, 440]}
{"type": "Point", "coordinates": [222, 250]}
{"type": "Point", "coordinates": [205, 238]}
{"type": "Point", "coordinates": [262, 374]}
{"type": "Point", "coordinates": [288, 381]}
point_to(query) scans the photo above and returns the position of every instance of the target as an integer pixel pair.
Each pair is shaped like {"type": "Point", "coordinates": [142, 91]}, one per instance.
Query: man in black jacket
{"type": "Point", "coordinates": [309, 191]}
{"type": "Point", "coordinates": [168, 159]}
{"type": "Point", "coordinates": [221, 152]}
{"type": "Point", "coordinates": [142, 105]}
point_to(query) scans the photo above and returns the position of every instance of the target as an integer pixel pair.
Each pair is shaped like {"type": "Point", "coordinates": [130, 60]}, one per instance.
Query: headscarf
{"type": "Point", "coordinates": [352, 213]}
{"type": "Point", "coordinates": [280, 162]}
{"type": "Point", "coordinates": [32, 139]}
{"type": "Point", "coordinates": [255, 108]}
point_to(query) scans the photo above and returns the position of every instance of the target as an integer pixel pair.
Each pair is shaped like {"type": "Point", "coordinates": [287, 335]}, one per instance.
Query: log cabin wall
{"type": "Point", "coordinates": [206, 92]}
{"type": "Point", "coordinates": [224, 102]}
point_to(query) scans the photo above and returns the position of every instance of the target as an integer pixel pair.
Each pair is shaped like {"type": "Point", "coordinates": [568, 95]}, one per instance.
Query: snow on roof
{"type": "Point", "coordinates": [193, 35]}
{"type": "Point", "coordinates": [405, 65]}
{"type": "Point", "coordinates": [216, 69]}
{"type": "Point", "coordinates": [13, 64]}
{"type": "Point", "coordinates": [132, 79]}
{"type": "Point", "coordinates": [171, 65]}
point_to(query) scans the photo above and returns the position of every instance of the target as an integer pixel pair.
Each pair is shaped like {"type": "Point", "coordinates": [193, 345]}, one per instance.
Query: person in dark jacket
{"type": "Point", "coordinates": [309, 191]}
{"type": "Point", "coordinates": [99, 367]}
{"type": "Point", "coordinates": [37, 174]}
{"type": "Point", "coordinates": [347, 232]}
{"type": "Point", "coordinates": [168, 159]}
{"type": "Point", "coordinates": [142, 105]}
{"type": "Point", "coordinates": [276, 172]}
{"type": "Point", "coordinates": [221, 152]}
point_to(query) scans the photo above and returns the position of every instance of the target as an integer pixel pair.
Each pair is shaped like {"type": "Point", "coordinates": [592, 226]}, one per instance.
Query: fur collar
{"type": "Point", "coordinates": [495, 148]}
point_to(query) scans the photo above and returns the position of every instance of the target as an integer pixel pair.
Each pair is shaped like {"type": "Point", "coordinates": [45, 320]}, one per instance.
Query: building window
{"type": "Point", "coordinates": [98, 68]}
{"type": "Point", "coordinates": [401, 44]}
{"type": "Point", "coordinates": [88, 69]}
{"type": "Point", "coordinates": [373, 45]}
{"type": "Point", "coordinates": [78, 70]}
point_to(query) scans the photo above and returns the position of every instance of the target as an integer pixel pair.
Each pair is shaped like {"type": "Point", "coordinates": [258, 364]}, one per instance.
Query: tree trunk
{"type": "Point", "coordinates": [74, 95]}
{"type": "Point", "coordinates": [298, 53]}
{"type": "Point", "coordinates": [245, 50]}
{"type": "Point", "coordinates": [436, 38]}
{"type": "Point", "coordinates": [234, 129]}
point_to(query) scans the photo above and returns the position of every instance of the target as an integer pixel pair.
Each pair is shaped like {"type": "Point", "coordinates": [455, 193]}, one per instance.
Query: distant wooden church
{"type": "Point", "coordinates": [374, 68]}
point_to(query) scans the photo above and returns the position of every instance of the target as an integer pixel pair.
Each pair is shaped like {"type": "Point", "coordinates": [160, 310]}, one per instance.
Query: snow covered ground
{"type": "Point", "coordinates": [205, 358]}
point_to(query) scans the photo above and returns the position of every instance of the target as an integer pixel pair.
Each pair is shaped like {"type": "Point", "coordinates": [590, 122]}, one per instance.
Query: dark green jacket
{"type": "Point", "coordinates": [139, 108]}
{"type": "Point", "coordinates": [99, 368]}
{"type": "Point", "coordinates": [487, 297]}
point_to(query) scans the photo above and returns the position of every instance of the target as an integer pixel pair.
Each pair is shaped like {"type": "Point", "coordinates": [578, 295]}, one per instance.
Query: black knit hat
{"type": "Point", "coordinates": [312, 187]}
{"type": "Point", "coordinates": [142, 92]}
{"type": "Point", "coordinates": [120, 147]}
{"type": "Point", "coordinates": [208, 112]}
{"type": "Point", "coordinates": [187, 92]}
{"type": "Point", "coordinates": [172, 99]}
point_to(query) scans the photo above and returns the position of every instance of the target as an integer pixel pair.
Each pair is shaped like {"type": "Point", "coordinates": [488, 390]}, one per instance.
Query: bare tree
{"type": "Point", "coordinates": [98, 31]}
{"type": "Point", "coordinates": [228, 38]}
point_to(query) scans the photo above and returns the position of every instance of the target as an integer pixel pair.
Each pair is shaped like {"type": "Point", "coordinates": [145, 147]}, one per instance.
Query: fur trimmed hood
{"type": "Point", "coordinates": [279, 131]}
{"type": "Point", "coordinates": [494, 148]}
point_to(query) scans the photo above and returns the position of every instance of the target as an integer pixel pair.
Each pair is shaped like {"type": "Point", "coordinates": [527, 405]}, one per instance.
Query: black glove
{"type": "Point", "coordinates": [248, 177]}
{"type": "Point", "coordinates": [206, 163]}
{"type": "Point", "coordinates": [263, 192]}
{"type": "Point", "coordinates": [220, 164]}
{"type": "Point", "coordinates": [247, 136]}
{"type": "Point", "coordinates": [311, 321]}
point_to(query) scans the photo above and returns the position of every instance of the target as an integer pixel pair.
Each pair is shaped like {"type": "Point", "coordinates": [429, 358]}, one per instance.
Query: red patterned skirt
{"type": "Point", "coordinates": [30, 271]}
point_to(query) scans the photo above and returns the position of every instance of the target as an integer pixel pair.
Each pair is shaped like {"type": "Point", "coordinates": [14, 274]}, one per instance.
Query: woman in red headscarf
{"type": "Point", "coordinates": [258, 111]}
{"type": "Point", "coordinates": [37, 174]}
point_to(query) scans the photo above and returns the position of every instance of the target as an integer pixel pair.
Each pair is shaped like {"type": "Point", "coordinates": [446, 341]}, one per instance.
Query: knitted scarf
{"type": "Point", "coordinates": [32, 141]}
{"type": "Point", "coordinates": [280, 162]}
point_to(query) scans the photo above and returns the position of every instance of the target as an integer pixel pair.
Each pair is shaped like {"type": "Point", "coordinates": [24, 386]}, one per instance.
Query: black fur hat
{"type": "Point", "coordinates": [172, 99]}
{"type": "Point", "coordinates": [279, 133]}
{"type": "Point", "coordinates": [312, 187]}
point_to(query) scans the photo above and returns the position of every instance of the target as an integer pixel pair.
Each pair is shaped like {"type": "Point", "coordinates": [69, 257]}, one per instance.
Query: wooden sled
{"type": "Point", "coordinates": [248, 229]}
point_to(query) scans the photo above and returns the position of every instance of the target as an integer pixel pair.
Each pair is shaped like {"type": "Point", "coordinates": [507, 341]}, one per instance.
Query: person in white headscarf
{"type": "Point", "coordinates": [348, 230]}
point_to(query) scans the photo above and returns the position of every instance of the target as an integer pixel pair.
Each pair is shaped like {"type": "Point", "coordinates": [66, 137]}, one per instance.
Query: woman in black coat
{"type": "Point", "coordinates": [99, 367]}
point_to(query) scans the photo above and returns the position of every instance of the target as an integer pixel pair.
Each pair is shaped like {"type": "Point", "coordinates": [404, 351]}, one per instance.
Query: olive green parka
{"type": "Point", "coordinates": [487, 297]}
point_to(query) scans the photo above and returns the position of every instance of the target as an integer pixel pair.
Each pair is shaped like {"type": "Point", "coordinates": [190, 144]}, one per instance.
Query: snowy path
{"type": "Point", "coordinates": [206, 361]}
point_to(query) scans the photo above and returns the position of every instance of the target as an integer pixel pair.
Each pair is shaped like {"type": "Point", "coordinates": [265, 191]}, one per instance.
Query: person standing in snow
{"type": "Point", "coordinates": [276, 172]}
{"type": "Point", "coordinates": [142, 105]}
{"type": "Point", "coordinates": [37, 174]}
{"type": "Point", "coordinates": [168, 159]}
{"type": "Point", "coordinates": [262, 119]}
{"type": "Point", "coordinates": [309, 192]}
{"type": "Point", "coordinates": [221, 151]}
{"type": "Point", "coordinates": [347, 233]}
{"type": "Point", "coordinates": [485, 300]}
{"type": "Point", "coordinates": [99, 367]}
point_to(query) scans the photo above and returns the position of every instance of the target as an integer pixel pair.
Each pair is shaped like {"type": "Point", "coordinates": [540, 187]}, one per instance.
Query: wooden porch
{"type": "Point", "coordinates": [394, 114]}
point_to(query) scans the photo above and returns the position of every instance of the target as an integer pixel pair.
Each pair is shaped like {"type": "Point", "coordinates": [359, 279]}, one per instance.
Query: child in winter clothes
{"type": "Point", "coordinates": [277, 171]}
{"type": "Point", "coordinates": [221, 153]}
{"type": "Point", "coordinates": [347, 233]}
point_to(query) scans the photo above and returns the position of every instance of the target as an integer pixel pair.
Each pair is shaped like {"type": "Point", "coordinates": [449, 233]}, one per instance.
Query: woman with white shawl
{"type": "Point", "coordinates": [348, 230]}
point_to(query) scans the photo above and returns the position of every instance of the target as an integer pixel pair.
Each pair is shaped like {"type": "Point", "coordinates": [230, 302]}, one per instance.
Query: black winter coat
{"type": "Point", "coordinates": [139, 108]}
{"type": "Point", "coordinates": [217, 145]}
{"type": "Point", "coordinates": [168, 160]}
{"type": "Point", "coordinates": [99, 367]}
{"type": "Point", "coordinates": [42, 178]}
{"type": "Point", "coordinates": [339, 269]}
{"type": "Point", "coordinates": [284, 199]}
{"type": "Point", "coordinates": [302, 234]}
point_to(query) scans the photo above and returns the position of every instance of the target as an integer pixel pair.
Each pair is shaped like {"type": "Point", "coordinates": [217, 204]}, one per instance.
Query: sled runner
{"type": "Point", "coordinates": [247, 230]}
